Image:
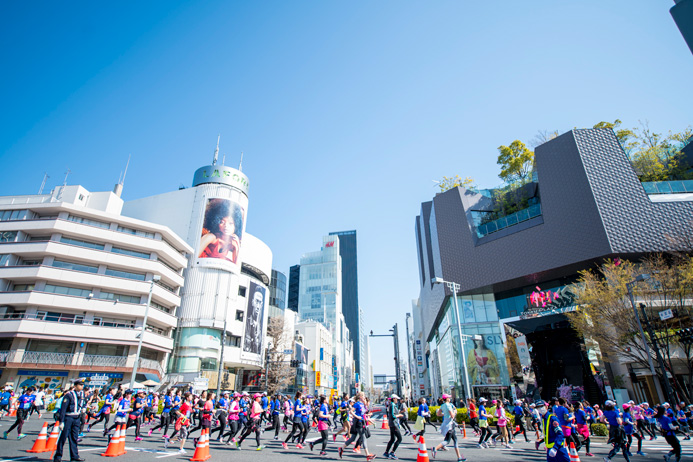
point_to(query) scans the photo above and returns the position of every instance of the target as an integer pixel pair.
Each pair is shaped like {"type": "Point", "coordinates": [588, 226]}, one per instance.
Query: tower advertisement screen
{"type": "Point", "coordinates": [222, 233]}
{"type": "Point", "coordinates": [252, 343]}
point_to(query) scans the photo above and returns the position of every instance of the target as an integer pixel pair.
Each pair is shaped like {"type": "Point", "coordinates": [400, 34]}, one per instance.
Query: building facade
{"type": "Point", "coordinates": [75, 275]}
{"type": "Point", "coordinates": [294, 283]}
{"type": "Point", "coordinates": [277, 288]}
{"type": "Point", "coordinates": [353, 316]}
{"type": "Point", "coordinates": [586, 204]}
{"type": "Point", "coordinates": [226, 282]}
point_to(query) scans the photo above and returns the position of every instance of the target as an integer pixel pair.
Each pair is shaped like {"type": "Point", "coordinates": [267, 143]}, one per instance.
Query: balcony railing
{"type": "Point", "coordinates": [42, 357]}
{"type": "Point", "coordinates": [105, 361]}
{"type": "Point", "coordinates": [5, 356]}
{"type": "Point", "coordinates": [509, 220]}
{"type": "Point", "coordinates": [151, 364]}
{"type": "Point", "coordinates": [668, 187]}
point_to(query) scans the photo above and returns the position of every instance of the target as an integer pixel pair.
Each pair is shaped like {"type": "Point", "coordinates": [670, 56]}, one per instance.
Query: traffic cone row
{"type": "Point", "coordinates": [423, 455]}
{"type": "Point", "coordinates": [40, 443]}
{"type": "Point", "coordinates": [52, 443]}
{"type": "Point", "coordinates": [385, 425]}
{"type": "Point", "coordinates": [573, 453]}
{"type": "Point", "coordinates": [116, 446]}
{"type": "Point", "coordinates": [202, 447]}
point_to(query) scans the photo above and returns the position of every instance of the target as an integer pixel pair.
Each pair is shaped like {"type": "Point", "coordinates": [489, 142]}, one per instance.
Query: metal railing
{"type": "Point", "coordinates": [151, 364]}
{"type": "Point", "coordinates": [668, 187]}
{"type": "Point", "coordinates": [5, 356]}
{"type": "Point", "coordinates": [42, 357]}
{"type": "Point", "coordinates": [105, 361]}
{"type": "Point", "coordinates": [510, 220]}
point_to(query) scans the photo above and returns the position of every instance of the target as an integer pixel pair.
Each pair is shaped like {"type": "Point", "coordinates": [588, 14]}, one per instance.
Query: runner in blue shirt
{"type": "Point", "coordinates": [669, 428]}
{"type": "Point", "coordinates": [485, 433]}
{"type": "Point", "coordinates": [23, 406]}
{"type": "Point", "coordinates": [518, 413]}
{"type": "Point", "coordinates": [629, 428]}
{"type": "Point", "coordinates": [5, 398]}
{"type": "Point", "coordinates": [104, 414]}
{"type": "Point", "coordinates": [323, 424]}
{"type": "Point", "coordinates": [359, 411]}
{"type": "Point", "coordinates": [616, 434]}
{"type": "Point", "coordinates": [297, 429]}
{"type": "Point", "coordinates": [166, 416]}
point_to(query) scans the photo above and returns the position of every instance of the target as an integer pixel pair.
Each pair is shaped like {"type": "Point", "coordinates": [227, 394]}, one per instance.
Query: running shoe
{"type": "Point", "coordinates": [311, 445]}
{"type": "Point", "coordinates": [386, 455]}
{"type": "Point", "coordinates": [479, 445]}
{"type": "Point", "coordinates": [164, 436]}
{"type": "Point", "coordinates": [370, 457]}
{"type": "Point", "coordinates": [589, 454]}
{"type": "Point", "coordinates": [434, 451]}
{"type": "Point", "coordinates": [393, 456]}
{"type": "Point", "coordinates": [138, 439]}
{"type": "Point", "coordinates": [81, 435]}
{"type": "Point", "coordinates": [341, 451]}
{"type": "Point", "coordinates": [323, 453]}
{"type": "Point", "coordinates": [537, 444]}
{"type": "Point", "coordinates": [462, 459]}
{"type": "Point", "coordinates": [259, 448]}
{"type": "Point", "coordinates": [299, 446]}
{"type": "Point", "coordinates": [88, 428]}
{"type": "Point", "coordinates": [4, 435]}
{"type": "Point", "coordinates": [285, 446]}
{"type": "Point", "coordinates": [276, 438]}
{"type": "Point", "coordinates": [21, 435]}
{"type": "Point", "coordinates": [640, 453]}
{"type": "Point", "coordinates": [165, 441]}
{"type": "Point", "coordinates": [181, 451]}
{"type": "Point", "coordinates": [195, 441]}
{"type": "Point", "coordinates": [148, 434]}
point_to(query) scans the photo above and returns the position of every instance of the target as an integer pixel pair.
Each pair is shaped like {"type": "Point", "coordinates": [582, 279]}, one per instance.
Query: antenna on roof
{"type": "Point", "coordinates": [216, 152]}
{"type": "Point", "coordinates": [122, 181]}
{"type": "Point", "coordinates": [62, 188]}
{"type": "Point", "coordinates": [223, 160]}
{"type": "Point", "coordinates": [240, 165]}
{"type": "Point", "coordinates": [43, 183]}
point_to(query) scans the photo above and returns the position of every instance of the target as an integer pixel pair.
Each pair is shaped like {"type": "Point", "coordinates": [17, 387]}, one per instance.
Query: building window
{"type": "Point", "coordinates": [241, 291]}
{"type": "Point", "coordinates": [75, 266]}
{"type": "Point", "coordinates": [7, 215]}
{"type": "Point", "coordinates": [88, 221]}
{"type": "Point", "coordinates": [160, 307]}
{"type": "Point", "coordinates": [131, 253]}
{"type": "Point", "coordinates": [4, 259]}
{"type": "Point", "coordinates": [315, 301]}
{"type": "Point", "coordinates": [106, 349]}
{"type": "Point", "coordinates": [119, 297]}
{"type": "Point", "coordinates": [233, 341]}
{"type": "Point", "coordinates": [146, 353]}
{"type": "Point", "coordinates": [63, 290]}
{"type": "Point", "coordinates": [49, 346]}
{"type": "Point", "coordinates": [23, 287]}
{"type": "Point", "coordinates": [39, 238]}
{"type": "Point", "coordinates": [30, 262]}
{"type": "Point", "coordinates": [111, 322]}
{"type": "Point", "coordinates": [125, 274]}
{"type": "Point", "coordinates": [239, 315]}
{"type": "Point", "coordinates": [135, 232]}
{"type": "Point", "coordinates": [8, 236]}
{"type": "Point", "coordinates": [208, 364]}
{"type": "Point", "coordinates": [81, 243]}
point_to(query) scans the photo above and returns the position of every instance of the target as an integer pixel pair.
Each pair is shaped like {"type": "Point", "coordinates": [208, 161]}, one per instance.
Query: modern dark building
{"type": "Point", "coordinates": [350, 292]}
{"type": "Point", "coordinates": [586, 204]}
{"type": "Point", "coordinates": [277, 287]}
{"type": "Point", "coordinates": [682, 13]}
{"type": "Point", "coordinates": [294, 280]}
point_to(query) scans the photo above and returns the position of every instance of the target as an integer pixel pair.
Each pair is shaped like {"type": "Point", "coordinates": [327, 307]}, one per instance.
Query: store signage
{"type": "Point", "coordinates": [221, 174]}
{"type": "Point", "coordinates": [666, 314]}
{"type": "Point", "coordinates": [330, 244]}
{"type": "Point", "coordinates": [547, 300]}
{"type": "Point", "coordinates": [317, 379]}
{"type": "Point", "coordinates": [43, 373]}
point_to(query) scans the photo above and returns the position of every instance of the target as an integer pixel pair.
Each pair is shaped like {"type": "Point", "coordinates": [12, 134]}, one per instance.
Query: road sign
{"type": "Point", "coordinates": [666, 314]}
{"type": "Point", "coordinates": [288, 351]}
{"type": "Point", "coordinates": [200, 383]}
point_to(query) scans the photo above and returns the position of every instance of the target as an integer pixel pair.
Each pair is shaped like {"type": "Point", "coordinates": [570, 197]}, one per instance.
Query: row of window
{"type": "Point", "coordinates": [105, 225]}
{"type": "Point", "coordinates": [69, 318]}
{"type": "Point", "coordinates": [7, 215]}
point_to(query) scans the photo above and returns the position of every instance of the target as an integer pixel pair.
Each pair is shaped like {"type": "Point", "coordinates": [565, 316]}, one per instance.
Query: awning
{"type": "Point", "coordinates": [143, 376]}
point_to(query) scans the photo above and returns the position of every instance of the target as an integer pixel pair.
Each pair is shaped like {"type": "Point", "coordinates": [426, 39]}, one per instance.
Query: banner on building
{"type": "Point", "coordinates": [523, 350]}
{"type": "Point", "coordinates": [48, 379]}
{"type": "Point", "coordinates": [317, 379]}
{"type": "Point", "coordinates": [223, 224]}
{"type": "Point", "coordinates": [253, 319]}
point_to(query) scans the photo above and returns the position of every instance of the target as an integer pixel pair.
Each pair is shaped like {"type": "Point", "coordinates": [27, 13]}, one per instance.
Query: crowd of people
{"type": "Point", "coordinates": [177, 415]}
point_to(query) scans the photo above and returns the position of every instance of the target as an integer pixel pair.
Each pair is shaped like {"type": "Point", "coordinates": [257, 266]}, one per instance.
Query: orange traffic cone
{"type": "Point", "coordinates": [201, 451]}
{"type": "Point", "coordinates": [121, 443]}
{"type": "Point", "coordinates": [313, 424]}
{"type": "Point", "coordinates": [13, 409]}
{"type": "Point", "coordinates": [40, 443]}
{"type": "Point", "coordinates": [423, 455]}
{"type": "Point", "coordinates": [385, 425]}
{"type": "Point", "coordinates": [52, 443]}
{"type": "Point", "coordinates": [464, 431]}
{"type": "Point", "coordinates": [113, 448]}
{"type": "Point", "coordinates": [573, 453]}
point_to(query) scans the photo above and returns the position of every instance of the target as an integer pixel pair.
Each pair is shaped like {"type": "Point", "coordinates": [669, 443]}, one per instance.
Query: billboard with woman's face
{"type": "Point", "coordinates": [222, 232]}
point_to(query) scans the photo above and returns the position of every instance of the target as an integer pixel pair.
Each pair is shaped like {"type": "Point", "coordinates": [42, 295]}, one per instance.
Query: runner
{"type": "Point", "coordinates": [629, 428]}
{"type": "Point", "coordinates": [254, 424]}
{"type": "Point", "coordinates": [104, 412]}
{"type": "Point", "coordinates": [448, 412]}
{"type": "Point", "coordinates": [344, 408]}
{"type": "Point", "coordinates": [359, 425]}
{"type": "Point", "coordinates": [234, 423]}
{"type": "Point", "coordinates": [222, 415]}
{"type": "Point", "coordinates": [166, 415]}
{"type": "Point", "coordinates": [669, 428]}
{"type": "Point", "coordinates": [518, 413]}
{"type": "Point", "coordinates": [423, 416]}
{"type": "Point", "coordinates": [183, 423]}
{"type": "Point", "coordinates": [617, 436]}
{"type": "Point", "coordinates": [485, 433]}
{"type": "Point", "coordinates": [393, 418]}
{"type": "Point", "coordinates": [122, 410]}
{"type": "Point", "coordinates": [323, 425]}
{"type": "Point", "coordinates": [5, 399]}
{"type": "Point", "coordinates": [135, 417]}
{"type": "Point", "coordinates": [582, 427]}
{"type": "Point", "coordinates": [23, 405]}
{"type": "Point", "coordinates": [404, 419]}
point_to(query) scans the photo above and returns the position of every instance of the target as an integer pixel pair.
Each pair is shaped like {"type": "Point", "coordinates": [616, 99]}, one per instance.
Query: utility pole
{"type": "Point", "coordinates": [660, 360]}
{"type": "Point", "coordinates": [395, 336]}
{"type": "Point", "coordinates": [411, 374]}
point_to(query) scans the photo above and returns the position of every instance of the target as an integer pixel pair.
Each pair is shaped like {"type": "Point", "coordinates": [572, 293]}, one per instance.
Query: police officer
{"type": "Point", "coordinates": [553, 435]}
{"type": "Point", "coordinates": [70, 416]}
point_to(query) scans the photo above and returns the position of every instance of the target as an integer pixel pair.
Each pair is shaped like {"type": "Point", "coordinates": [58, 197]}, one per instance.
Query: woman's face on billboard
{"type": "Point", "coordinates": [227, 226]}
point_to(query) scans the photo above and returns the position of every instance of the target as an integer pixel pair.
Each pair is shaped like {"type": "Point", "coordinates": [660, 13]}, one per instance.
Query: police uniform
{"type": "Point", "coordinates": [70, 416]}
{"type": "Point", "coordinates": [553, 439]}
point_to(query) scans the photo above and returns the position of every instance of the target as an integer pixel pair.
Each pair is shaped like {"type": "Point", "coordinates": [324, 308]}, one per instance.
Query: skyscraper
{"type": "Point", "coordinates": [350, 294]}
{"type": "Point", "coordinates": [294, 280]}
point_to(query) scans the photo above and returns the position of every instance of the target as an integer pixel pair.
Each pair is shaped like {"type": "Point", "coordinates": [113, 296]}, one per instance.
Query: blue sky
{"type": "Point", "coordinates": [346, 111]}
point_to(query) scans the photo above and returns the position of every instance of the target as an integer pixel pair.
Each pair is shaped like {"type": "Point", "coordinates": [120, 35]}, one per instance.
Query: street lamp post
{"type": "Point", "coordinates": [155, 278]}
{"type": "Point", "coordinates": [409, 347]}
{"type": "Point", "coordinates": [629, 288]}
{"type": "Point", "coordinates": [395, 338]}
{"type": "Point", "coordinates": [454, 288]}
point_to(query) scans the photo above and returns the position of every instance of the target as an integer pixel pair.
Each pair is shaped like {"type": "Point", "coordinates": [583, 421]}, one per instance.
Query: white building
{"type": "Point", "coordinates": [226, 281]}
{"type": "Point", "coordinates": [75, 275]}
{"type": "Point", "coordinates": [320, 300]}
{"type": "Point", "coordinates": [318, 339]}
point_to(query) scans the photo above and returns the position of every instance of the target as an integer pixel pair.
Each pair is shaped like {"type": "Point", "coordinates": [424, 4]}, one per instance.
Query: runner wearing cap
{"type": "Point", "coordinates": [234, 419]}
{"type": "Point", "coordinates": [485, 433]}
{"type": "Point", "coordinates": [254, 423]}
{"type": "Point", "coordinates": [669, 427]}
{"type": "Point", "coordinates": [617, 436]}
{"type": "Point", "coordinates": [448, 412]}
{"type": "Point", "coordinates": [629, 428]}
{"type": "Point", "coordinates": [393, 416]}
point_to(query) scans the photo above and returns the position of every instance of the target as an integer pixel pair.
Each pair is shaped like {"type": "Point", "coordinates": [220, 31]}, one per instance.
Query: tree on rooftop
{"type": "Point", "coordinates": [453, 182]}
{"type": "Point", "coordinates": [516, 161]}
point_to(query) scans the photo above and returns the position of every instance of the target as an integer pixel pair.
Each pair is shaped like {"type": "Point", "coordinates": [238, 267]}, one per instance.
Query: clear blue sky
{"type": "Point", "coordinates": [346, 111]}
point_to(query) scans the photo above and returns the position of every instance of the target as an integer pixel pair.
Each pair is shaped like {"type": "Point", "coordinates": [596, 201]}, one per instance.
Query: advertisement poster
{"type": "Point", "coordinates": [523, 351]}
{"type": "Point", "coordinates": [253, 319]}
{"type": "Point", "coordinates": [53, 380]}
{"type": "Point", "coordinates": [482, 362]}
{"type": "Point", "coordinates": [222, 234]}
{"type": "Point", "coordinates": [101, 379]}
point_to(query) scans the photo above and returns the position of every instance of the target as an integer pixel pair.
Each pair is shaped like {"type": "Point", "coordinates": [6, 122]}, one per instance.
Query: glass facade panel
{"type": "Point", "coordinates": [8, 215]}
{"type": "Point", "coordinates": [125, 274]}
{"type": "Point", "coordinates": [63, 290]}
{"type": "Point", "coordinates": [80, 243]}
{"type": "Point", "coordinates": [8, 236]}
{"type": "Point", "coordinates": [132, 253]}
{"type": "Point", "coordinates": [75, 266]}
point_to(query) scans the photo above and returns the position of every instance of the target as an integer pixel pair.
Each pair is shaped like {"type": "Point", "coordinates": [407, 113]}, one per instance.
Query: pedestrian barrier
{"type": "Point", "coordinates": [385, 425]}
{"type": "Point", "coordinates": [423, 455]}
{"type": "Point", "coordinates": [40, 443]}
{"type": "Point", "coordinates": [52, 443]}
{"type": "Point", "coordinates": [464, 431]}
{"type": "Point", "coordinates": [573, 453]}
{"type": "Point", "coordinates": [201, 448]}
{"type": "Point", "coordinates": [113, 448]}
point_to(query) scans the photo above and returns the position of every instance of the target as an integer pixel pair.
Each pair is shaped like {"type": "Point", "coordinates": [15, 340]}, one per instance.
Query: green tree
{"type": "Point", "coordinates": [453, 182]}
{"type": "Point", "coordinates": [516, 162]}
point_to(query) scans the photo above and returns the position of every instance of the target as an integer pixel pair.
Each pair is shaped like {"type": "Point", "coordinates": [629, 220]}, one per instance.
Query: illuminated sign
{"type": "Point", "coordinates": [330, 244]}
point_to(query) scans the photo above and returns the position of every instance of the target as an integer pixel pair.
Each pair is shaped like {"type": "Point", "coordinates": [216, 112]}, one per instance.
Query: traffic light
{"type": "Point", "coordinates": [294, 363]}
{"type": "Point", "coordinates": [686, 335]}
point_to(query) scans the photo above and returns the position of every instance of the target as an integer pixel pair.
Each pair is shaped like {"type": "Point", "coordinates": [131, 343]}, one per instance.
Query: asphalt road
{"type": "Point", "coordinates": [152, 448]}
